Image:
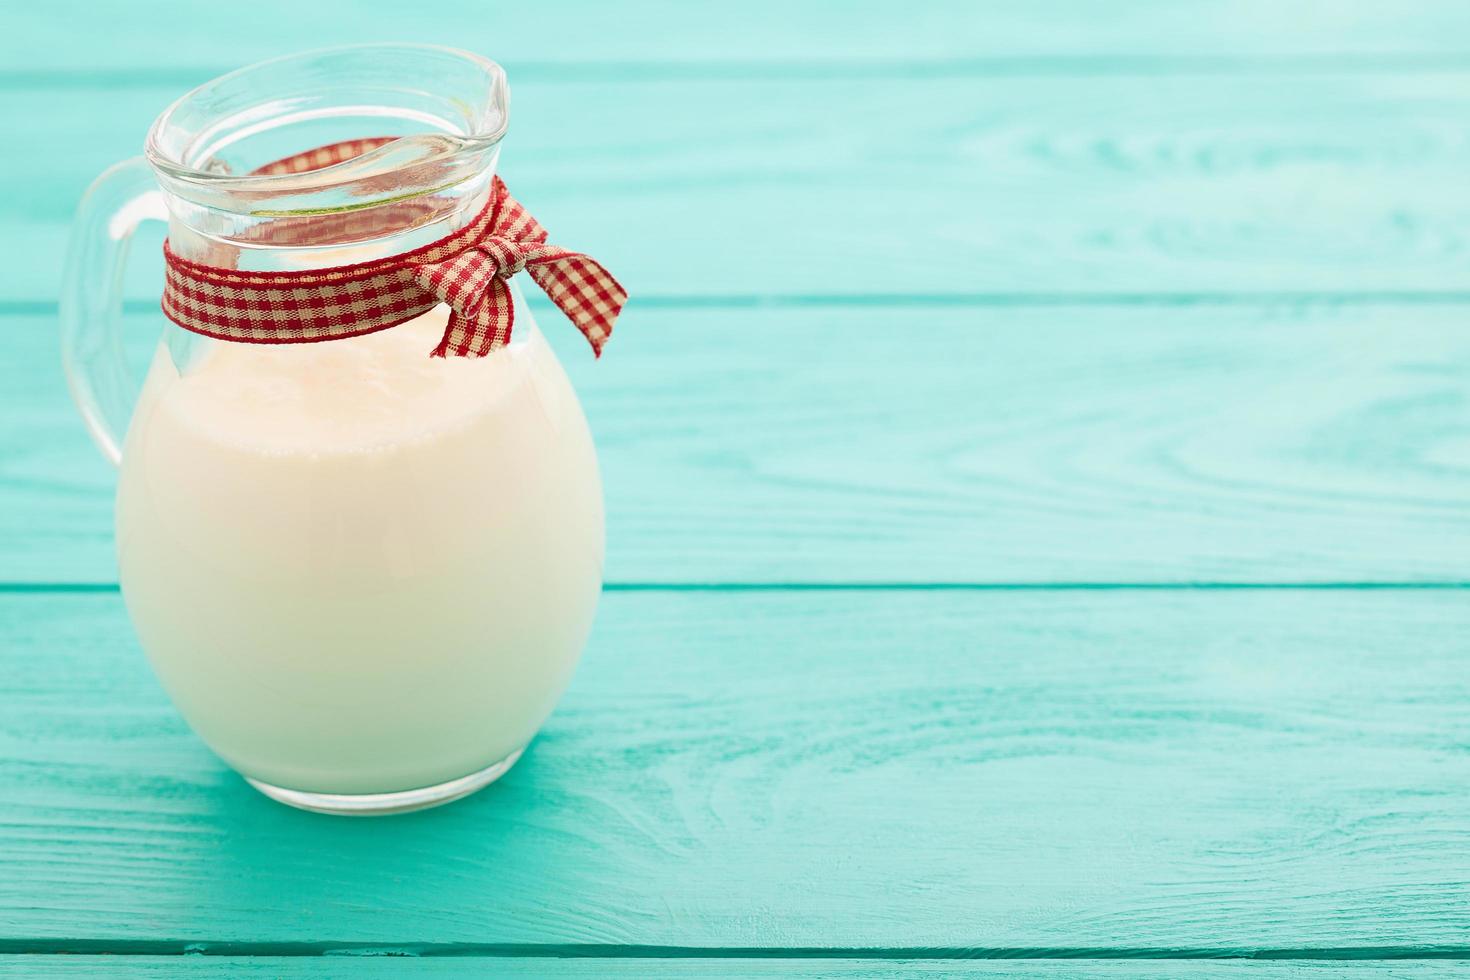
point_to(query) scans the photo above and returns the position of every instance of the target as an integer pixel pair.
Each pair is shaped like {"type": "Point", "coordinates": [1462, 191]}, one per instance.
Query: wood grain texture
{"type": "Point", "coordinates": [1036, 313]}
{"type": "Point", "coordinates": [380, 968]}
{"type": "Point", "coordinates": [1274, 182]}
{"type": "Point", "coordinates": [1045, 772]}
{"type": "Point", "coordinates": [1272, 443]}
{"type": "Point", "coordinates": [73, 35]}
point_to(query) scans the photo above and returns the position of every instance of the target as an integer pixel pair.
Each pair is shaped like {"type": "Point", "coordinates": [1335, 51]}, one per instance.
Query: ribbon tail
{"type": "Point", "coordinates": [481, 326]}
{"type": "Point", "coordinates": [453, 334]}
{"type": "Point", "coordinates": [583, 290]}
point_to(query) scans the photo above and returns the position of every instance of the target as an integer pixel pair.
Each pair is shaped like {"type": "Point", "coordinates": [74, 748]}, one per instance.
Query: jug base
{"type": "Point", "coordinates": [383, 804]}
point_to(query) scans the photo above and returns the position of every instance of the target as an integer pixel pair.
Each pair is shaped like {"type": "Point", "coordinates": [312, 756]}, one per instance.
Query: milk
{"type": "Point", "coordinates": [356, 568]}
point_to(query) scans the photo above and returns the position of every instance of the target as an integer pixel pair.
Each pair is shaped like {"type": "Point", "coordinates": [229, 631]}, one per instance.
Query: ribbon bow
{"type": "Point", "coordinates": [468, 270]}
{"type": "Point", "coordinates": [474, 283]}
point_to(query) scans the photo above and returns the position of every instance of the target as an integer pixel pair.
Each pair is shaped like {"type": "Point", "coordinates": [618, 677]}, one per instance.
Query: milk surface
{"type": "Point", "coordinates": [356, 568]}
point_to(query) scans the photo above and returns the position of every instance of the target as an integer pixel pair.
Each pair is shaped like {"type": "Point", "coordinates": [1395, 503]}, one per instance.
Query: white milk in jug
{"type": "Point", "coordinates": [358, 569]}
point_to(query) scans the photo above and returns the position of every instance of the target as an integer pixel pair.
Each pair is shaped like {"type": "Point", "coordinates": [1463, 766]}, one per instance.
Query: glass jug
{"type": "Point", "coordinates": [364, 575]}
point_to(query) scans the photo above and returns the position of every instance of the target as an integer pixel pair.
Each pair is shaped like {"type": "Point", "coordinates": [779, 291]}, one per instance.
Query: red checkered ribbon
{"type": "Point", "coordinates": [468, 270]}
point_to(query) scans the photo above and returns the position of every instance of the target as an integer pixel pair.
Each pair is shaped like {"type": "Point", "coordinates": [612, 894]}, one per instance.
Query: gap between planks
{"type": "Point", "coordinates": [24, 307]}
{"type": "Point", "coordinates": [23, 588]}
{"type": "Point", "coordinates": [178, 947]}
{"type": "Point", "coordinates": [826, 69]}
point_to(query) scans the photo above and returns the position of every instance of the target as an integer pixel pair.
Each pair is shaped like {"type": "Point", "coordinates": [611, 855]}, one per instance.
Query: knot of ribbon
{"type": "Point", "coordinates": [468, 270]}
{"type": "Point", "coordinates": [474, 283]}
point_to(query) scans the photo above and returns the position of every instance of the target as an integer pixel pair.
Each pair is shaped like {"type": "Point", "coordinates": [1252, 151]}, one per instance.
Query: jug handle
{"type": "Point", "coordinates": [119, 200]}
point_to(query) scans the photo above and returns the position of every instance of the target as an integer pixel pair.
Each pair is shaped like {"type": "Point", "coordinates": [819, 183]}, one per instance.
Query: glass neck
{"type": "Point", "coordinates": [260, 241]}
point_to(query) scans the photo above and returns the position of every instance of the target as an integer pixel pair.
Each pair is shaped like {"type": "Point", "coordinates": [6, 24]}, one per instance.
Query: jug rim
{"type": "Point", "coordinates": [178, 162]}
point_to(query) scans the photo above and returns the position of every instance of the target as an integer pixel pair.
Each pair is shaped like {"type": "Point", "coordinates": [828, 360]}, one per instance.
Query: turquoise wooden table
{"type": "Point", "coordinates": [1048, 540]}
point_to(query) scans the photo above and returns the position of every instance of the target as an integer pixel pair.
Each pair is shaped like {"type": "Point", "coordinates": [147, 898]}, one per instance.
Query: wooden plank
{"type": "Point", "coordinates": [1311, 443]}
{"type": "Point", "coordinates": [373, 968]}
{"type": "Point", "coordinates": [76, 36]}
{"type": "Point", "coordinates": [1274, 182]}
{"type": "Point", "coordinates": [1039, 773]}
